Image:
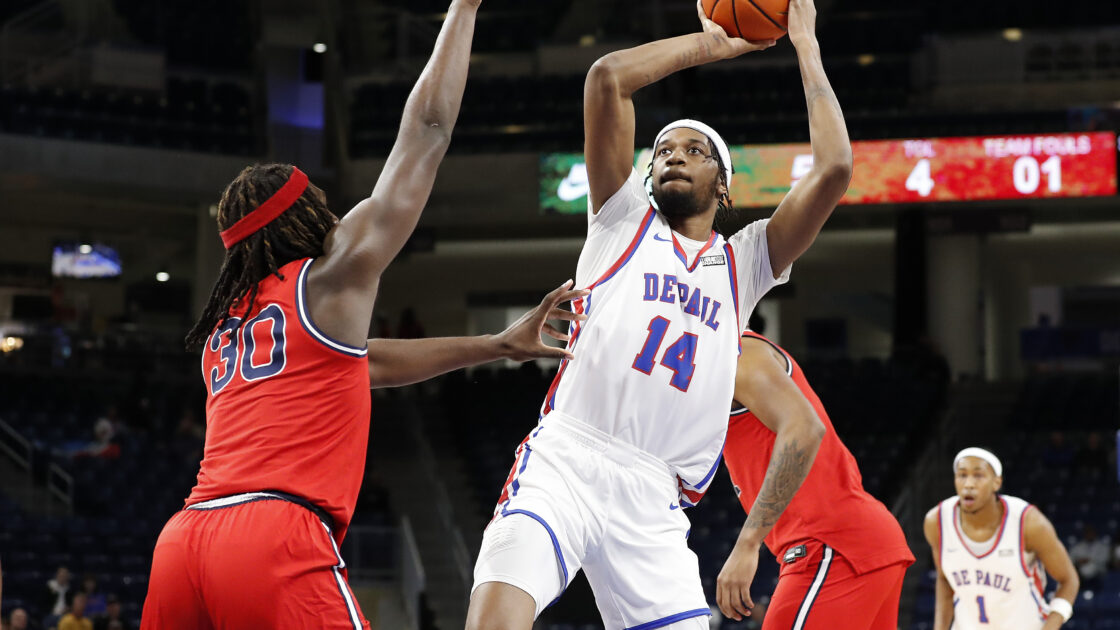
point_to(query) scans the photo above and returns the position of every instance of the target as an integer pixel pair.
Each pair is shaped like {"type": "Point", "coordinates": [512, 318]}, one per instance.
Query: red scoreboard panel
{"type": "Point", "coordinates": [941, 169]}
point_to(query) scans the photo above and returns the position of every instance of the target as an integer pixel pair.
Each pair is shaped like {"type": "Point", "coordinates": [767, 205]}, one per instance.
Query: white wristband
{"type": "Point", "coordinates": [1062, 607]}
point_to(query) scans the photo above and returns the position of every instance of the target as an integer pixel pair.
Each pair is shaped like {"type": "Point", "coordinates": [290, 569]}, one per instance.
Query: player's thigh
{"type": "Point", "coordinates": [519, 550]}
{"type": "Point", "coordinates": [275, 565]}
{"type": "Point", "coordinates": [172, 602]}
{"type": "Point", "coordinates": [644, 572]}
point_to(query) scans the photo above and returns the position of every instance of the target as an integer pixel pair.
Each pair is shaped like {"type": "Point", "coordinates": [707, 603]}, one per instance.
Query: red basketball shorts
{"type": "Point", "coordinates": [821, 591]}
{"type": "Point", "coordinates": [260, 563]}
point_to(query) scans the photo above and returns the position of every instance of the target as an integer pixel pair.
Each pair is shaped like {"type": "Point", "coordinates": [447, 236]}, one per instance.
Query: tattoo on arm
{"type": "Point", "coordinates": [784, 475]}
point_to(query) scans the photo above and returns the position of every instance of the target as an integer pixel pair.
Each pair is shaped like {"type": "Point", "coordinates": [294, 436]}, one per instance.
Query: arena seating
{"type": "Point", "coordinates": [193, 115]}
{"type": "Point", "coordinates": [120, 503]}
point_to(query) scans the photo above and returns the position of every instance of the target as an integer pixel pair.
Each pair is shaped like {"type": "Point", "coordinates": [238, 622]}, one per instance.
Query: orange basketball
{"type": "Point", "coordinates": [750, 19]}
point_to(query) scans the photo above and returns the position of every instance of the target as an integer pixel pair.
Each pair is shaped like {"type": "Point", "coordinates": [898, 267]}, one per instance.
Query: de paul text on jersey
{"type": "Point", "coordinates": [666, 288]}
{"type": "Point", "coordinates": [979, 577]}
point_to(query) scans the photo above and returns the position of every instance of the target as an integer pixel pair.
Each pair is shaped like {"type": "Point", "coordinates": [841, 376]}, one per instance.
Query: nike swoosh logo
{"type": "Point", "coordinates": [568, 191]}
{"type": "Point", "coordinates": [664, 240]}
{"type": "Point", "coordinates": [674, 506]}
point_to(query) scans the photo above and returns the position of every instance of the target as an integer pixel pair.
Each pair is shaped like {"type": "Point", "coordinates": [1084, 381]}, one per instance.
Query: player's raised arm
{"type": "Point", "coordinates": [943, 593]}
{"type": "Point", "coordinates": [763, 385]}
{"type": "Point", "coordinates": [608, 108]}
{"type": "Point", "coordinates": [373, 232]}
{"type": "Point", "coordinates": [802, 213]}
{"type": "Point", "coordinates": [1039, 536]}
{"type": "Point", "coordinates": [397, 362]}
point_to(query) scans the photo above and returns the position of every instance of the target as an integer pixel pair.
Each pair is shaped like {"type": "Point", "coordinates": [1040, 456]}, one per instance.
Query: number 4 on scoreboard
{"type": "Point", "coordinates": [920, 180]}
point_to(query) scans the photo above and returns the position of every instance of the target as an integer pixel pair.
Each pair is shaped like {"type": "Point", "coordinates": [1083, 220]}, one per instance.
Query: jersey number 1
{"type": "Point", "coordinates": [680, 357]}
{"type": "Point", "coordinates": [983, 613]}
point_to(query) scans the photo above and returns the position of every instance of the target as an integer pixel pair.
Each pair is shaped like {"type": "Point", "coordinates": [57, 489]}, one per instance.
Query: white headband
{"type": "Point", "coordinates": [987, 456]}
{"type": "Point", "coordinates": [721, 146]}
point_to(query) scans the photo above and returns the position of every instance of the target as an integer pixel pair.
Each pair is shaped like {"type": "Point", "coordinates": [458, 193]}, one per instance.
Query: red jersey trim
{"type": "Point", "coordinates": [999, 535]}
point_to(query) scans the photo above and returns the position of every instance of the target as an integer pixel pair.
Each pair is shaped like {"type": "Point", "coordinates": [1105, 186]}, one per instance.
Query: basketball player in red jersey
{"type": "Point", "coordinates": [843, 555]}
{"type": "Point", "coordinates": [284, 359]}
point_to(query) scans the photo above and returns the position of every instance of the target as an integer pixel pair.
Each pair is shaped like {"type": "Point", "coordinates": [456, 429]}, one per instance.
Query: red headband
{"type": "Point", "coordinates": [273, 207]}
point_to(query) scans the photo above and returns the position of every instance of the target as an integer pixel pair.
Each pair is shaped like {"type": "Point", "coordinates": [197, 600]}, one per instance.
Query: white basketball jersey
{"type": "Point", "coordinates": [999, 588]}
{"type": "Point", "coordinates": [655, 360]}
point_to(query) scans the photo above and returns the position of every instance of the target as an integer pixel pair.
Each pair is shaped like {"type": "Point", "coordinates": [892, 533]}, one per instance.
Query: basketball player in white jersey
{"type": "Point", "coordinates": [632, 428]}
{"type": "Point", "coordinates": [992, 553]}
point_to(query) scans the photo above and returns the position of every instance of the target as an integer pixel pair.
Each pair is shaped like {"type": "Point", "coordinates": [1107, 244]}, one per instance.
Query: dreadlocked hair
{"type": "Point", "coordinates": [299, 232]}
{"type": "Point", "coordinates": [726, 210]}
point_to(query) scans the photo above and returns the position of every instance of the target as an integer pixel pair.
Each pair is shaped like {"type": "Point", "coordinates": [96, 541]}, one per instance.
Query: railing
{"type": "Point", "coordinates": [412, 573]}
{"type": "Point", "coordinates": [370, 552]}
{"type": "Point", "coordinates": [19, 449]}
{"type": "Point", "coordinates": [16, 446]}
{"type": "Point", "coordinates": [442, 501]}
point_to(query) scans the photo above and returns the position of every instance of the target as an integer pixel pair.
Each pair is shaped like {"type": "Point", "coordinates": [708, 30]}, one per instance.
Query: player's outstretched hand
{"type": "Point", "coordinates": [729, 46]}
{"type": "Point", "coordinates": [733, 586]}
{"type": "Point", "coordinates": [522, 340]}
{"type": "Point", "coordinates": [802, 25]}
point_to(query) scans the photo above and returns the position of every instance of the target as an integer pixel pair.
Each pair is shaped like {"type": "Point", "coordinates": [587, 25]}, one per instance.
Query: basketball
{"type": "Point", "coordinates": [749, 19]}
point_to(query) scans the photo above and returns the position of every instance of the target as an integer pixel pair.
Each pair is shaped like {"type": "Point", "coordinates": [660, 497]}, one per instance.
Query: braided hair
{"type": "Point", "coordinates": [299, 232]}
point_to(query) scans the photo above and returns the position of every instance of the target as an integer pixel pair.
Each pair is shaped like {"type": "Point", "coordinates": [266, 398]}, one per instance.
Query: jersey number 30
{"type": "Point", "coordinates": [680, 357]}
{"type": "Point", "coordinates": [237, 348]}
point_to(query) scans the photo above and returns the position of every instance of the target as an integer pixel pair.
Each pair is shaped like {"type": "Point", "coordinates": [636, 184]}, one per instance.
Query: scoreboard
{"type": "Point", "coordinates": [897, 171]}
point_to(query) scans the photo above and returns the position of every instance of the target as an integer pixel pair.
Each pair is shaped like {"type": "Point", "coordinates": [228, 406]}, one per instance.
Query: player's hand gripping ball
{"type": "Point", "coordinates": [753, 20]}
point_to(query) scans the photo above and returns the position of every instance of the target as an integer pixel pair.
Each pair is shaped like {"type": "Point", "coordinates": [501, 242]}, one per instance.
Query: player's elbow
{"type": "Point", "coordinates": [836, 170]}
{"type": "Point", "coordinates": [812, 427]}
{"type": "Point", "coordinates": [1072, 579]}
{"type": "Point", "coordinates": [603, 78]}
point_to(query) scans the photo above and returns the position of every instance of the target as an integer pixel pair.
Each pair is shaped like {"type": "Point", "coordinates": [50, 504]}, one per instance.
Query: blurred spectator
{"type": "Point", "coordinates": [19, 620]}
{"type": "Point", "coordinates": [54, 599]}
{"type": "Point", "coordinates": [95, 599]}
{"type": "Point", "coordinates": [113, 415]}
{"type": "Point", "coordinates": [409, 327]}
{"type": "Point", "coordinates": [76, 619]}
{"type": "Point", "coordinates": [113, 619]}
{"type": "Point", "coordinates": [1057, 454]}
{"type": "Point", "coordinates": [1090, 555]}
{"type": "Point", "coordinates": [103, 444]}
{"type": "Point", "coordinates": [1094, 458]}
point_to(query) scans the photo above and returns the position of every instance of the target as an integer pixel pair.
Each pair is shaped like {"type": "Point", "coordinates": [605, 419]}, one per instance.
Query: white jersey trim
{"type": "Point", "coordinates": [309, 325]}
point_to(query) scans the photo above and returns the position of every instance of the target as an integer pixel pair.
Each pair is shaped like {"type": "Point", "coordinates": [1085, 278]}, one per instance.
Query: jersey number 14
{"type": "Point", "coordinates": [680, 356]}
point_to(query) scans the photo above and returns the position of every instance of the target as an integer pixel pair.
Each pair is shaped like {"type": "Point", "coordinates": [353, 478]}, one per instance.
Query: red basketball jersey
{"type": "Point", "coordinates": [831, 506]}
{"type": "Point", "coordinates": [287, 407]}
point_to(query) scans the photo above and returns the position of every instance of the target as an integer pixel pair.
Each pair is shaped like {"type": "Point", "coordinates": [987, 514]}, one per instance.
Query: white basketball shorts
{"type": "Point", "coordinates": [577, 498]}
